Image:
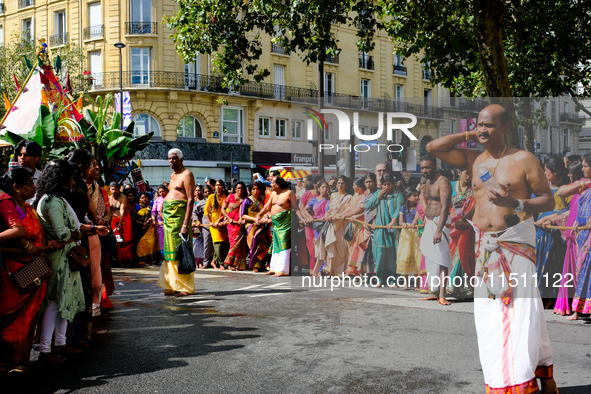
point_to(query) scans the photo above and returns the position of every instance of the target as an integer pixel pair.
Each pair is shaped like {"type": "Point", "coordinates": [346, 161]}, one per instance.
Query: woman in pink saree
{"type": "Point", "coordinates": [309, 194]}
{"type": "Point", "coordinates": [236, 258]}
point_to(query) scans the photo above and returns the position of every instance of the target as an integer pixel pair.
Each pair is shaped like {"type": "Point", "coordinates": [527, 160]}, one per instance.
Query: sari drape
{"type": "Point", "coordinates": [582, 299]}
{"type": "Point", "coordinates": [408, 258]}
{"type": "Point", "coordinates": [461, 244]}
{"type": "Point", "coordinates": [257, 237]}
{"type": "Point", "coordinates": [18, 310]}
{"type": "Point", "coordinates": [319, 206]}
{"type": "Point", "coordinates": [360, 234]}
{"type": "Point", "coordinates": [236, 256]}
{"type": "Point", "coordinates": [337, 251]}
{"type": "Point", "coordinates": [147, 249]}
{"type": "Point", "coordinates": [306, 198]}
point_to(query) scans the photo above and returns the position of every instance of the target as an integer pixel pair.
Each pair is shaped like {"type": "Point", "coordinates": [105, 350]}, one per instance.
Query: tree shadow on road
{"type": "Point", "coordinates": [135, 344]}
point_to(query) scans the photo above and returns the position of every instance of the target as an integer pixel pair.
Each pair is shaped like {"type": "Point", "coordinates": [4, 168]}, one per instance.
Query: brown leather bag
{"type": "Point", "coordinates": [32, 275]}
{"type": "Point", "coordinates": [78, 258]}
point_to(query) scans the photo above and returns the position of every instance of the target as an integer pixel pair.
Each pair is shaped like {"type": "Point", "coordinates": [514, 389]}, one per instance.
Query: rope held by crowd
{"type": "Point", "coordinates": [580, 228]}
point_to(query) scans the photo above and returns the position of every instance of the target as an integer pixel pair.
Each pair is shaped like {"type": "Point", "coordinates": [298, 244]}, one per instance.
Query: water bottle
{"type": "Point", "coordinates": [489, 182]}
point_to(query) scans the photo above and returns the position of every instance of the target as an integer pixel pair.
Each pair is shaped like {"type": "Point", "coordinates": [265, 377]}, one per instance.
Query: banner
{"type": "Point", "coordinates": [126, 107]}
{"type": "Point", "coordinates": [463, 129]}
{"type": "Point", "coordinates": [472, 127]}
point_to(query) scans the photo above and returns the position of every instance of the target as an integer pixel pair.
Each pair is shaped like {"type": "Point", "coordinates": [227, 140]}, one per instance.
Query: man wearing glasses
{"type": "Point", "coordinates": [28, 154]}
{"type": "Point", "coordinates": [380, 171]}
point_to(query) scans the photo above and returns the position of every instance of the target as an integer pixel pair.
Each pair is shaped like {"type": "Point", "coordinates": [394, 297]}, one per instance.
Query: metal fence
{"type": "Point", "coordinates": [93, 32]}
{"type": "Point", "coordinates": [58, 39]}
{"type": "Point", "coordinates": [399, 70]}
{"type": "Point", "coordinates": [25, 3]}
{"type": "Point", "coordinates": [214, 84]}
{"type": "Point", "coordinates": [141, 28]}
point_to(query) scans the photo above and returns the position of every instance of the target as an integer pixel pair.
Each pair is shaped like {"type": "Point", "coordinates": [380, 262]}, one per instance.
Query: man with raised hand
{"type": "Point", "coordinates": [435, 239]}
{"type": "Point", "coordinates": [509, 315]}
{"type": "Point", "coordinates": [177, 215]}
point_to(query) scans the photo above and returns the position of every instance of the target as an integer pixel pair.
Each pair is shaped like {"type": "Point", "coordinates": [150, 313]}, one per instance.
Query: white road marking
{"type": "Point", "coordinates": [248, 287]}
{"type": "Point", "coordinates": [264, 295]}
{"type": "Point", "coordinates": [196, 302]}
{"type": "Point", "coordinates": [126, 310]}
{"type": "Point", "coordinates": [276, 285]}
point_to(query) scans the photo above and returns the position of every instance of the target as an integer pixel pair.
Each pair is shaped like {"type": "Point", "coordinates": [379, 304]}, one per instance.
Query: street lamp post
{"type": "Point", "coordinates": [120, 45]}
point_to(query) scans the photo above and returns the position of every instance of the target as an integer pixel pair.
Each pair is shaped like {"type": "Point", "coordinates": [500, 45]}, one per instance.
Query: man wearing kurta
{"type": "Point", "coordinates": [177, 217]}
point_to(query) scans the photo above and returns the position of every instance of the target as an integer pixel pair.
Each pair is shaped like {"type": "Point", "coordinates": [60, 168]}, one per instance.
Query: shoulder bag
{"type": "Point", "coordinates": [30, 276]}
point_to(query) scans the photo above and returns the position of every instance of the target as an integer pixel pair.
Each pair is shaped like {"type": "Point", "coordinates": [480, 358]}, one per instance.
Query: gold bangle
{"type": "Point", "coordinates": [467, 136]}
{"type": "Point", "coordinates": [184, 225]}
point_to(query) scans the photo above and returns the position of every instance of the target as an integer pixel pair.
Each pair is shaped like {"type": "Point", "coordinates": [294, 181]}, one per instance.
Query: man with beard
{"type": "Point", "coordinates": [512, 338]}
{"type": "Point", "coordinates": [177, 214]}
{"type": "Point", "coordinates": [435, 240]}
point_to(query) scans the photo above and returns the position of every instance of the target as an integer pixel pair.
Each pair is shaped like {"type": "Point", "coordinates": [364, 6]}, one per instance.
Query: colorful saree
{"type": "Point", "coordinates": [385, 243]}
{"type": "Point", "coordinates": [257, 237]}
{"type": "Point", "coordinates": [147, 249]}
{"type": "Point", "coordinates": [367, 263]}
{"type": "Point", "coordinates": [17, 309]}
{"type": "Point", "coordinates": [360, 234]}
{"type": "Point", "coordinates": [319, 207]}
{"type": "Point", "coordinates": [582, 299]}
{"type": "Point", "coordinates": [423, 286]}
{"type": "Point", "coordinates": [236, 235]}
{"type": "Point", "coordinates": [408, 258]}
{"type": "Point", "coordinates": [550, 249]}
{"type": "Point", "coordinates": [306, 198]}
{"type": "Point", "coordinates": [461, 243]}
{"type": "Point", "coordinates": [337, 251]}
{"type": "Point", "coordinates": [570, 270]}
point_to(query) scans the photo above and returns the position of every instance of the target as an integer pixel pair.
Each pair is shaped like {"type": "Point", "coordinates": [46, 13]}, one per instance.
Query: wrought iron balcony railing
{"type": "Point", "coordinates": [332, 59]}
{"type": "Point", "coordinates": [93, 32]}
{"type": "Point", "coordinates": [366, 62]}
{"type": "Point", "coordinates": [141, 28]}
{"type": "Point", "coordinates": [399, 70]}
{"type": "Point", "coordinates": [25, 3]}
{"type": "Point", "coordinates": [1, 8]}
{"type": "Point", "coordinates": [58, 39]}
{"type": "Point", "coordinates": [572, 118]}
{"type": "Point", "coordinates": [276, 48]}
{"type": "Point", "coordinates": [214, 84]}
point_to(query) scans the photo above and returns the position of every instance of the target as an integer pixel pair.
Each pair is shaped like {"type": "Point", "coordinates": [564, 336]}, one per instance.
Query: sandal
{"type": "Point", "coordinates": [51, 358]}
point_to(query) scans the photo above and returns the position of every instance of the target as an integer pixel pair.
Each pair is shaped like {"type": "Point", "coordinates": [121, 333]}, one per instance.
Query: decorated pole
{"type": "Point", "coordinates": [17, 96]}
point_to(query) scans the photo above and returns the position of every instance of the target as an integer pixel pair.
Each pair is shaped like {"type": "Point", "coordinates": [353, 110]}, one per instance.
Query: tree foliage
{"type": "Point", "coordinates": [232, 31]}
{"type": "Point", "coordinates": [12, 64]}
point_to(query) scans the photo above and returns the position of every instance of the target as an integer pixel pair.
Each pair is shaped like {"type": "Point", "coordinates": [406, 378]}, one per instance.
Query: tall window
{"type": "Point", "coordinates": [428, 97]}
{"type": "Point", "coordinates": [141, 10]}
{"type": "Point", "coordinates": [27, 30]}
{"type": "Point", "coordinates": [553, 108]}
{"type": "Point", "coordinates": [265, 127]}
{"type": "Point", "coordinates": [279, 82]}
{"type": "Point", "coordinates": [59, 28]}
{"type": "Point", "coordinates": [1, 35]}
{"type": "Point", "coordinates": [189, 127]}
{"type": "Point", "coordinates": [145, 124]}
{"type": "Point", "coordinates": [232, 129]}
{"type": "Point", "coordinates": [452, 126]}
{"type": "Point", "coordinates": [296, 129]}
{"type": "Point", "coordinates": [329, 87]}
{"type": "Point", "coordinates": [140, 65]}
{"type": "Point", "coordinates": [192, 71]}
{"type": "Point", "coordinates": [365, 93]}
{"type": "Point", "coordinates": [281, 128]}
{"type": "Point", "coordinates": [95, 22]}
{"type": "Point", "coordinates": [96, 67]}
{"type": "Point", "coordinates": [399, 69]}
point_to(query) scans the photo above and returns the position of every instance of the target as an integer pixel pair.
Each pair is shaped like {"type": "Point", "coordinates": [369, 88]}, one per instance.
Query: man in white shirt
{"type": "Point", "coordinates": [28, 153]}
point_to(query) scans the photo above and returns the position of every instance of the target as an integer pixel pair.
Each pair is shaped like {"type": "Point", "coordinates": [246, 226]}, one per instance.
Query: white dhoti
{"type": "Point", "coordinates": [437, 256]}
{"type": "Point", "coordinates": [280, 262]}
{"type": "Point", "coordinates": [512, 338]}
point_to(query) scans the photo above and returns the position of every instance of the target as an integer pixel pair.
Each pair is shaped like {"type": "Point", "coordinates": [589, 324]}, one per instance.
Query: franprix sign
{"type": "Point", "coordinates": [345, 127]}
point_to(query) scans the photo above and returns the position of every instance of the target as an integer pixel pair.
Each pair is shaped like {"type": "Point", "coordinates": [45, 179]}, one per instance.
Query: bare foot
{"type": "Point", "coordinates": [574, 316]}
{"type": "Point", "coordinates": [443, 301]}
{"type": "Point", "coordinates": [231, 268]}
{"type": "Point", "coordinates": [182, 294]}
{"type": "Point", "coordinates": [51, 358]}
{"type": "Point", "coordinates": [269, 272]}
{"type": "Point", "coordinates": [255, 270]}
{"type": "Point", "coordinates": [168, 292]}
{"type": "Point", "coordinates": [280, 274]}
{"type": "Point", "coordinates": [417, 289]}
{"type": "Point", "coordinates": [222, 268]}
{"type": "Point", "coordinates": [428, 299]}
{"type": "Point", "coordinates": [548, 386]}
{"type": "Point", "coordinates": [393, 286]}
{"type": "Point", "coordinates": [405, 288]}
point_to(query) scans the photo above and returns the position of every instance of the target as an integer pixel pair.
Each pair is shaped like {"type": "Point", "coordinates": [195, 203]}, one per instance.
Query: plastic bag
{"type": "Point", "coordinates": [185, 256]}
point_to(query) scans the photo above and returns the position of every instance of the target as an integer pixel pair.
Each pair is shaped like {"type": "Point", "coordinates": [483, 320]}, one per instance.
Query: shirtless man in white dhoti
{"type": "Point", "coordinates": [435, 240]}
{"type": "Point", "coordinates": [510, 324]}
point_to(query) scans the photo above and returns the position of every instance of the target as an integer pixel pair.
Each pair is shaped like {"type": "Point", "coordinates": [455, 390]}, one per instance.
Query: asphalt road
{"type": "Point", "coordinates": [249, 333]}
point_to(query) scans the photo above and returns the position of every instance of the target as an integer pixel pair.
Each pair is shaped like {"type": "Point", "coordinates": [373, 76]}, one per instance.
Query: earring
{"type": "Point", "coordinates": [19, 192]}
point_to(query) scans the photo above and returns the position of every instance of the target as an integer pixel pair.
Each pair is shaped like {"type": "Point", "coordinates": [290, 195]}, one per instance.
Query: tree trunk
{"type": "Point", "coordinates": [489, 15]}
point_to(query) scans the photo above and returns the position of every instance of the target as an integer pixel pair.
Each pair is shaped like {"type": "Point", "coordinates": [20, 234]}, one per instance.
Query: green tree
{"type": "Point", "coordinates": [495, 48]}
{"type": "Point", "coordinates": [12, 63]}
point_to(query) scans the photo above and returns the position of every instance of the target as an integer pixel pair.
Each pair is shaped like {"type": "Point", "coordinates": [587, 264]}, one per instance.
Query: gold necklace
{"type": "Point", "coordinates": [498, 161]}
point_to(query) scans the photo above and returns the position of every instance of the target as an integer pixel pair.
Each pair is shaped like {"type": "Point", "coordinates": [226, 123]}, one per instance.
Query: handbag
{"type": "Point", "coordinates": [349, 232]}
{"type": "Point", "coordinates": [317, 226]}
{"type": "Point", "coordinates": [185, 257]}
{"type": "Point", "coordinates": [78, 258]}
{"type": "Point", "coordinates": [30, 276]}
